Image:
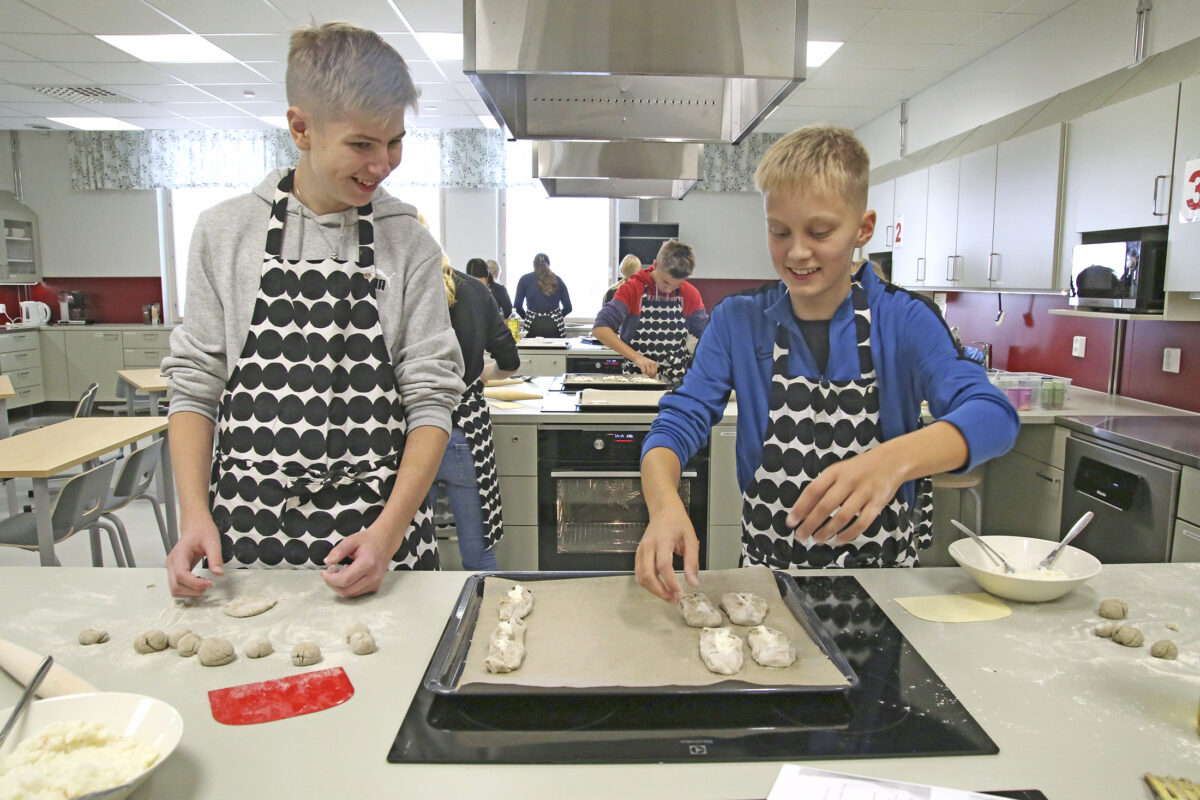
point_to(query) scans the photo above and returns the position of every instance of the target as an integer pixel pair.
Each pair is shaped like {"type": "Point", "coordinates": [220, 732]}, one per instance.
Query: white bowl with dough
{"type": "Point", "coordinates": [144, 719]}
{"type": "Point", "coordinates": [1072, 569]}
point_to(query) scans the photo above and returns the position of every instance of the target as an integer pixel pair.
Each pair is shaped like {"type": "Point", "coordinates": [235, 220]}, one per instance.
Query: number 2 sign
{"type": "Point", "coordinates": [898, 236]}
{"type": "Point", "coordinates": [1189, 209]}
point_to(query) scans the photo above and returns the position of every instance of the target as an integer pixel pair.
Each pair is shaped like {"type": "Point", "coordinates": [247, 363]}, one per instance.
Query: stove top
{"type": "Point", "coordinates": [901, 708]}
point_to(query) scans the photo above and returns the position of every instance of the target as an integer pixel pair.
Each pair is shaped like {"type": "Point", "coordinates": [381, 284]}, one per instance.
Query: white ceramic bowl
{"type": "Point", "coordinates": [144, 719]}
{"type": "Point", "coordinates": [1024, 553]}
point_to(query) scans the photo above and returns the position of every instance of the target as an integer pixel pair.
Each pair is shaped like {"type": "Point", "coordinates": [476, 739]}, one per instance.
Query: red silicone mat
{"type": "Point", "coordinates": [267, 701]}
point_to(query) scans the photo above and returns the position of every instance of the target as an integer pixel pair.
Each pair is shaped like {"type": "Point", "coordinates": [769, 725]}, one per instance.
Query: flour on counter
{"type": "Point", "coordinates": [70, 759]}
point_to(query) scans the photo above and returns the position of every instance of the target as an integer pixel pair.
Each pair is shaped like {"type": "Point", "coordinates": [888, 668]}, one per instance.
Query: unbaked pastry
{"type": "Point", "coordinates": [216, 652]}
{"type": "Point", "coordinates": [306, 654]}
{"type": "Point", "coordinates": [92, 636]}
{"type": "Point", "coordinates": [1128, 636]}
{"type": "Point", "coordinates": [744, 608]}
{"type": "Point", "coordinates": [517, 603]}
{"type": "Point", "coordinates": [1105, 630]}
{"type": "Point", "coordinates": [1164, 648]}
{"type": "Point", "coordinates": [506, 648]}
{"type": "Point", "coordinates": [770, 647]}
{"type": "Point", "coordinates": [151, 641]}
{"type": "Point", "coordinates": [258, 647]}
{"type": "Point", "coordinates": [174, 633]}
{"type": "Point", "coordinates": [1113, 609]}
{"type": "Point", "coordinates": [721, 650]}
{"type": "Point", "coordinates": [698, 611]}
{"type": "Point", "coordinates": [249, 606]}
{"type": "Point", "coordinates": [189, 644]}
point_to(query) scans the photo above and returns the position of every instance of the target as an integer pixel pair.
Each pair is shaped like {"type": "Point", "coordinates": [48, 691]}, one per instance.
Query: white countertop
{"type": "Point", "coordinates": [1075, 716]}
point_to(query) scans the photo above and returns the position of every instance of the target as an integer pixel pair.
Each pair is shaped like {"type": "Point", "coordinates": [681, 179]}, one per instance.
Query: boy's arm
{"type": "Point", "coordinates": [191, 436]}
{"type": "Point", "coordinates": [669, 532]}
{"type": "Point", "coordinates": [609, 338]}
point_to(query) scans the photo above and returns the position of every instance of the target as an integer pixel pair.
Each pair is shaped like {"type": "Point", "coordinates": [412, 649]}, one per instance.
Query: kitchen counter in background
{"type": "Point", "coordinates": [1103, 714]}
{"type": "Point", "coordinates": [1168, 437]}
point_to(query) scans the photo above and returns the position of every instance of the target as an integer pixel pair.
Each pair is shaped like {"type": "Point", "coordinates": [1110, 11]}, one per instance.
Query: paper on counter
{"type": "Point", "coordinates": [805, 783]}
{"type": "Point", "coordinates": [608, 631]}
{"type": "Point", "coordinates": [503, 404]}
{"type": "Point", "coordinates": [510, 394]}
{"type": "Point", "coordinates": [968, 607]}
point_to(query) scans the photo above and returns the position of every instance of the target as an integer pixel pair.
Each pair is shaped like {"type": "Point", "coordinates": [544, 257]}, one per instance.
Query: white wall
{"type": "Point", "coordinates": [86, 234]}
{"type": "Point", "coordinates": [727, 231]}
{"type": "Point", "coordinates": [469, 217]}
{"type": "Point", "coordinates": [6, 173]}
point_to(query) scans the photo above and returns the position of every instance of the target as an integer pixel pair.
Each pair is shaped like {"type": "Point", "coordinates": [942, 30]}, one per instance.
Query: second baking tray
{"type": "Point", "coordinates": [448, 663]}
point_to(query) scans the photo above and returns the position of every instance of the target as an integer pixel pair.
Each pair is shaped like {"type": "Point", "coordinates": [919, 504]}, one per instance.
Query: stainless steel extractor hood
{"type": "Point", "coordinates": [652, 70]}
{"type": "Point", "coordinates": [617, 169]}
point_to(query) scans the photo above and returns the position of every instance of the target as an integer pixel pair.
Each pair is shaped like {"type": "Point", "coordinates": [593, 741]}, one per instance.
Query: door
{"type": "Point", "coordinates": [1183, 273]}
{"type": "Point", "coordinates": [1025, 234]}
{"type": "Point", "coordinates": [941, 231]}
{"type": "Point", "coordinates": [881, 198]}
{"type": "Point", "coordinates": [94, 356]}
{"type": "Point", "coordinates": [976, 214]}
{"type": "Point", "coordinates": [908, 246]}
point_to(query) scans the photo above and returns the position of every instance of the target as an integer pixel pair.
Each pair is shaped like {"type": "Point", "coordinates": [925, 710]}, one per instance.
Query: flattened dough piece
{"type": "Point", "coordinates": [744, 608]}
{"type": "Point", "coordinates": [698, 611]}
{"type": "Point", "coordinates": [770, 648]}
{"type": "Point", "coordinates": [92, 636]}
{"type": "Point", "coordinates": [506, 648]}
{"type": "Point", "coordinates": [721, 650]}
{"type": "Point", "coordinates": [151, 641]}
{"type": "Point", "coordinates": [249, 606]}
{"type": "Point", "coordinates": [968, 607]}
{"type": "Point", "coordinates": [306, 654]}
{"type": "Point", "coordinates": [216, 652]}
{"type": "Point", "coordinates": [516, 603]}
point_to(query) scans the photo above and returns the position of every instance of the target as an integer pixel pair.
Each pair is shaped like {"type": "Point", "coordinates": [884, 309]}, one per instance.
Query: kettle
{"type": "Point", "coordinates": [34, 313]}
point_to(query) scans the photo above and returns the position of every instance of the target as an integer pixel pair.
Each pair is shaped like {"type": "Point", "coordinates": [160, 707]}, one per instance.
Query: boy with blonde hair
{"type": "Point", "coordinates": [315, 371]}
{"type": "Point", "coordinates": [830, 366]}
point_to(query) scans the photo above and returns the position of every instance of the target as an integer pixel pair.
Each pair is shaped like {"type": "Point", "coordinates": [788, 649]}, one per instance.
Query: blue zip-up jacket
{"type": "Point", "coordinates": [915, 358]}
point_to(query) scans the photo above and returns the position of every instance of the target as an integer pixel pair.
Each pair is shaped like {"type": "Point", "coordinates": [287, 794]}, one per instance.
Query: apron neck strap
{"type": "Point", "coordinates": [279, 206]}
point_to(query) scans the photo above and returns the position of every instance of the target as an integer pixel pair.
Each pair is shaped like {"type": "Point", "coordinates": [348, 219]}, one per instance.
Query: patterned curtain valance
{"type": "Point", "coordinates": [730, 167]}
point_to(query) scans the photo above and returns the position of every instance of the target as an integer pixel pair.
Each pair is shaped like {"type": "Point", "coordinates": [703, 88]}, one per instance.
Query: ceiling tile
{"type": "Point", "coordinates": [918, 80]}
{"type": "Point", "coordinates": [12, 93]}
{"type": "Point", "coordinates": [375, 15]}
{"type": "Point", "coordinates": [444, 16]}
{"type": "Point", "coordinates": [955, 57]}
{"type": "Point", "coordinates": [109, 16]}
{"type": "Point", "coordinates": [433, 92]}
{"type": "Point", "coordinates": [5, 111]}
{"type": "Point", "coordinates": [982, 6]}
{"type": "Point", "coordinates": [1002, 28]}
{"type": "Point", "coordinates": [253, 46]}
{"type": "Point", "coordinates": [263, 109]}
{"type": "Point", "coordinates": [112, 72]}
{"type": "Point", "coordinates": [211, 73]}
{"type": "Point", "coordinates": [806, 95]}
{"type": "Point", "coordinates": [22, 18]}
{"type": "Point", "coordinates": [275, 71]}
{"type": "Point", "coordinates": [424, 72]}
{"type": "Point", "coordinates": [837, 23]}
{"type": "Point", "coordinates": [176, 92]}
{"type": "Point", "coordinates": [444, 122]}
{"type": "Point", "coordinates": [199, 110]}
{"type": "Point", "coordinates": [126, 110]}
{"type": "Point", "coordinates": [25, 123]}
{"type": "Point", "coordinates": [39, 72]}
{"type": "Point", "coordinates": [166, 123]}
{"type": "Point", "coordinates": [64, 47]}
{"type": "Point", "coordinates": [1044, 7]}
{"type": "Point", "coordinates": [10, 54]}
{"type": "Point", "coordinates": [238, 123]}
{"type": "Point", "coordinates": [224, 16]}
{"type": "Point", "coordinates": [53, 108]}
{"type": "Point", "coordinates": [406, 45]}
{"type": "Point", "coordinates": [445, 108]}
{"type": "Point", "coordinates": [929, 27]}
{"type": "Point", "coordinates": [236, 92]}
{"type": "Point", "coordinates": [863, 79]}
{"type": "Point", "coordinates": [881, 55]}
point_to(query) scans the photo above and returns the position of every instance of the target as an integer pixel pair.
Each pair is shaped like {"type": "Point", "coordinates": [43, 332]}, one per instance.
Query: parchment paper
{"type": "Point", "coordinates": [649, 398]}
{"type": "Point", "coordinates": [608, 631]}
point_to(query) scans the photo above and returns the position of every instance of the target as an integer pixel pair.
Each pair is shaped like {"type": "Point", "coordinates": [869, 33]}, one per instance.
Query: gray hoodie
{"type": "Point", "coordinates": [224, 266]}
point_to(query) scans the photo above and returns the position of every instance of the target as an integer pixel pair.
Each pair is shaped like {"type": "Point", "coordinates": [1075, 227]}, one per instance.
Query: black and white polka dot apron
{"type": "Point", "coordinates": [661, 336]}
{"type": "Point", "coordinates": [812, 424]}
{"type": "Point", "coordinates": [545, 324]}
{"type": "Point", "coordinates": [471, 416]}
{"type": "Point", "coordinates": [310, 426]}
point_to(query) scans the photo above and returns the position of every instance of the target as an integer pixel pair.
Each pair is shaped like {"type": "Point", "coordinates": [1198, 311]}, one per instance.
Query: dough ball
{"type": "Point", "coordinates": [357, 627]}
{"type": "Point", "coordinates": [216, 652]}
{"type": "Point", "coordinates": [362, 644]}
{"type": "Point", "coordinates": [92, 636]}
{"type": "Point", "coordinates": [1105, 630]}
{"type": "Point", "coordinates": [1171, 626]}
{"type": "Point", "coordinates": [721, 650]}
{"type": "Point", "coordinates": [1113, 609]}
{"type": "Point", "coordinates": [506, 648]}
{"type": "Point", "coordinates": [306, 654]}
{"type": "Point", "coordinates": [189, 644]}
{"type": "Point", "coordinates": [249, 606]}
{"type": "Point", "coordinates": [174, 633]}
{"type": "Point", "coordinates": [1164, 648]}
{"type": "Point", "coordinates": [517, 603]}
{"type": "Point", "coordinates": [258, 647]}
{"type": "Point", "coordinates": [698, 611]}
{"type": "Point", "coordinates": [770, 647]}
{"type": "Point", "coordinates": [151, 641]}
{"type": "Point", "coordinates": [744, 608]}
{"type": "Point", "coordinates": [1128, 636]}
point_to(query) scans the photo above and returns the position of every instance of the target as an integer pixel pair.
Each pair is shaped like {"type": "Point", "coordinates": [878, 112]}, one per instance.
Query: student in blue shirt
{"type": "Point", "coordinates": [830, 366]}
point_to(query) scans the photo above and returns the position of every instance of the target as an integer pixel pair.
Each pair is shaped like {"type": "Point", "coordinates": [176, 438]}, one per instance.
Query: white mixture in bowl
{"type": "Point", "coordinates": [70, 759]}
{"type": "Point", "coordinates": [1044, 574]}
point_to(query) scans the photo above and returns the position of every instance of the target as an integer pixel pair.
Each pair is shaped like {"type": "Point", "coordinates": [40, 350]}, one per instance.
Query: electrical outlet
{"type": "Point", "coordinates": [1079, 346]}
{"type": "Point", "coordinates": [3, 308]}
{"type": "Point", "coordinates": [1171, 359]}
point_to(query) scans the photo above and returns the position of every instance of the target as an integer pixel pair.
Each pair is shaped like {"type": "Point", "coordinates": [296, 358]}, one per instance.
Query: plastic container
{"type": "Point", "coordinates": [1055, 391]}
{"type": "Point", "coordinates": [1023, 389]}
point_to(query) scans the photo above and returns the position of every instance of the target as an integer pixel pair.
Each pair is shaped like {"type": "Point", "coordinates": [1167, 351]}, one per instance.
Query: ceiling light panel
{"type": "Point", "coordinates": [56, 47]}
{"type": "Point", "coordinates": [96, 123]}
{"type": "Point", "coordinates": [253, 46]}
{"type": "Point", "coordinates": [818, 52]}
{"type": "Point", "coordinates": [174, 48]}
{"type": "Point", "coordinates": [442, 46]}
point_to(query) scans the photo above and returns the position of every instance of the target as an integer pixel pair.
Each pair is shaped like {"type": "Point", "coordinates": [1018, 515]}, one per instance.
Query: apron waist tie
{"type": "Point", "coordinates": [301, 482]}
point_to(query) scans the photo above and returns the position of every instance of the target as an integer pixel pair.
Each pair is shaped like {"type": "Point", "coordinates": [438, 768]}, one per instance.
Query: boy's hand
{"type": "Point", "coordinates": [667, 535]}
{"type": "Point", "coordinates": [647, 366]}
{"type": "Point", "coordinates": [845, 499]}
{"type": "Point", "coordinates": [198, 540]}
{"type": "Point", "coordinates": [371, 553]}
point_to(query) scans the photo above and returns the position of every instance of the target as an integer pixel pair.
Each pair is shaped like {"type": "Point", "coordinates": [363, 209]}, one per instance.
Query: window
{"type": "Point", "coordinates": [186, 205]}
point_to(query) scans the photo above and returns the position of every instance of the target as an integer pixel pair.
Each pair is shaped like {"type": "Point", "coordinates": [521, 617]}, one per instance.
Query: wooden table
{"type": "Point", "coordinates": [7, 392]}
{"type": "Point", "coordinates": [143, 380]}
{"type": "Point", "coordinates": [43, 453]}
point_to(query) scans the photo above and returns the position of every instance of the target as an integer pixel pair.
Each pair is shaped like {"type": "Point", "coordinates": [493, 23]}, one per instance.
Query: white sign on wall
{"type": "Point", "coordinates": [898, 239]}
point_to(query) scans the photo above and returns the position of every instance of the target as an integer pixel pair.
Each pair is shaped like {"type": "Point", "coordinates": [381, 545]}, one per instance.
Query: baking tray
{"type": "Point", "coordinates": [612, 399]}
{"type": "Point", "coordinates": [446, 666]}
{"type": "Point", "coordinates": [574, 381]}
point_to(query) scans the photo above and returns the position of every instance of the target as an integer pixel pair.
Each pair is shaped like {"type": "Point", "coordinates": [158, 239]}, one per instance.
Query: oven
{"type": "Point", "coordinates": [591, 514]}
{"type": "Point", "coordinates": [609, 365]}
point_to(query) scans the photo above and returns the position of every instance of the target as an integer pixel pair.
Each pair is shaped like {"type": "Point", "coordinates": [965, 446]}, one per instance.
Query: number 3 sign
{"type": "Point", "coordinates": [1189, 209]}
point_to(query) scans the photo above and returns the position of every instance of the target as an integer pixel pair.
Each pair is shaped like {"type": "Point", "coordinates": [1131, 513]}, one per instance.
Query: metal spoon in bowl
{"type": "Point", "coordinates": [34, 683]}
{"type": "Point", "coordinates": [987, 548]}
{"type": "Point", "coordinates": [1076, 529]}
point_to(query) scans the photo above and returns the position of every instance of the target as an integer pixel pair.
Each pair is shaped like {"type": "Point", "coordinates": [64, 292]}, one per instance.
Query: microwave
{"type": "Point", "coordinates": [1119, 276]}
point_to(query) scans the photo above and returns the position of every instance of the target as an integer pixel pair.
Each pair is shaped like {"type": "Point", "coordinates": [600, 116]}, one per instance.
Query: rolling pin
{"type": "Point", "coordinates": [21, 664]}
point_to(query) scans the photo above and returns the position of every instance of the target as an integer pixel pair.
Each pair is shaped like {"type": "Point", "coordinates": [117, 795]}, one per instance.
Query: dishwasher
{"type": "Point", "coordinates": [1132, 495]}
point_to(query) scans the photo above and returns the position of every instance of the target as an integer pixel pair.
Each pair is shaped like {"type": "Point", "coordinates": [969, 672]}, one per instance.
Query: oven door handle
{"type": "Point", "coordinates": [613, 474]}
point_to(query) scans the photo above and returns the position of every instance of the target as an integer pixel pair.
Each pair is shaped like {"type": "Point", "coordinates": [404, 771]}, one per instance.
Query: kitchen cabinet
{"type": "Point", "coordinates": [1119, 161]}
{"type": "Point", "coordinates": [961, 209]}
{"type": "Point", "coordinates": [145, 348]}
{"type": "Point", "coordinates": [724, 500]}
{"type": "Point", "coordinates": [93, 356]}
{"type": "Point", "coordinates": [54, 366]}
{"type": "Point", "coordinates": [1183, 248]}
{"type": "Point", "coordinates": [882, 198]}
{"type": "Point", "coordinates": [941, 223]}
{"type": "Point", "coordinates": [21, 361]}
{"type": "Point", "coordinates": [1023, 488]}
{"type": "Point", "coordinates": [20, 257]}
{"type": "Point", "coordinates": [908, 247]}
{"type": "Point", "coordinates": [536, 363]}
{"type": "Point", "coordinates": [1185, 545]}
{"type": "Point", "coordinates": [1025, 226]}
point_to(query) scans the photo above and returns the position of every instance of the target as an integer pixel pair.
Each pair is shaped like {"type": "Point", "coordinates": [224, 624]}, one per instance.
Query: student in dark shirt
{"type": "Point", "coordinates": [542, 300]}
{"type": "Point", "coordinates": [478, 268]}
